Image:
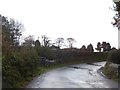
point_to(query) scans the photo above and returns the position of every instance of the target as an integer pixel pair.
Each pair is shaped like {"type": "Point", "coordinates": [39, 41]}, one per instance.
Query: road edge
{"type": "Point", "coordinates": [99, 71]}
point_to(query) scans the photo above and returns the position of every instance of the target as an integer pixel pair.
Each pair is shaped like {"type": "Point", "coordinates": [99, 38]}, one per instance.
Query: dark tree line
{"type": "Point", "coordinates": [59, 42]}
{"type": "Point", "coordinates": [105, 46]}
{"type": "Point", "coordinates": [89, 48]}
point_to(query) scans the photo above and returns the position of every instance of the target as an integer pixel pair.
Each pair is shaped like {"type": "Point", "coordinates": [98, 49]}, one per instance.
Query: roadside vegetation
{"type": "Point", "coordinates": [111, 69]}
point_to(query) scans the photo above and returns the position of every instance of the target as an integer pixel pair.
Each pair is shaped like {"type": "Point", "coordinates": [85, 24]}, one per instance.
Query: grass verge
{"type": "Point", "coordinates": [111, 73]}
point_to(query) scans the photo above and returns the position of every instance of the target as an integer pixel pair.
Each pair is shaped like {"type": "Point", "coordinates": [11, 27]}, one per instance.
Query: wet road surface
{"type": "Point", "coordinates": [74, 76]}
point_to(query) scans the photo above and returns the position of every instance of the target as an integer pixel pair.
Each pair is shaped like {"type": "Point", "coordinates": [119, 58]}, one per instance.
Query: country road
{"type": "Point", "coordinates": [74, 76]}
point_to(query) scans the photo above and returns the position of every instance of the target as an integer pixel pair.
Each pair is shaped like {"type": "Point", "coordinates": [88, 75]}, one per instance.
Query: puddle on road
{"type": "Point", "coordinates": [75, 67]}
{"type": "Point", "coordinates": [88, 64]}
{"type": "Point", "coordinates": [90, 71]}
{"type": "Point", "coordinates": [93, 64]}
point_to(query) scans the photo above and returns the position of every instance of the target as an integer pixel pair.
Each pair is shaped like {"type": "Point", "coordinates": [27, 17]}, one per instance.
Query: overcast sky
{"type": "Point", "coordinates": [87, 21]}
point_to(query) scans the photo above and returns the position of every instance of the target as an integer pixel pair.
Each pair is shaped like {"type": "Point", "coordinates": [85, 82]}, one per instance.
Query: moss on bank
{"type": "Point", "coordinates": [111, 72]}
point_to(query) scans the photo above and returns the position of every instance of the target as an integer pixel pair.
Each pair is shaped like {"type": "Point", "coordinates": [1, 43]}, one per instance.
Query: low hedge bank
{"type": "Point", "coordinates": [68, 56]}
{"type": "Point", "coordinates": [111, 71]}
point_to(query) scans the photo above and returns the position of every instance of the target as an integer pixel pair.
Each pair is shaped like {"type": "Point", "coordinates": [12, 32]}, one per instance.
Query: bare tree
{"type": "Point", "coordinates": [70, 41]}
{"type": "Point", "coordinates": [59, 42]}
{"type": "Point", "coordinates": [11, 33]}
{"type": "Point", "coordinates": [29, 41]}
{"type": "Point", "coordinates": [46, 41]}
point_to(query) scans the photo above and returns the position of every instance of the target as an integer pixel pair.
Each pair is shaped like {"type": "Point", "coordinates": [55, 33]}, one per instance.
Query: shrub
{"type": "Point", "coordinates": [18, 66]}
{"type": "Point", "coordinates": [47, 52]}
{"type": "Point", "coordinates": [10, 73]}
{"type": "Point", "coordinates": [114, 56]}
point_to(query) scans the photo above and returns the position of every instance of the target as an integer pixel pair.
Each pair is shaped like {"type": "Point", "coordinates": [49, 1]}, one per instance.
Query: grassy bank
{"type": "Point", "coordinates": [110, 72]}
